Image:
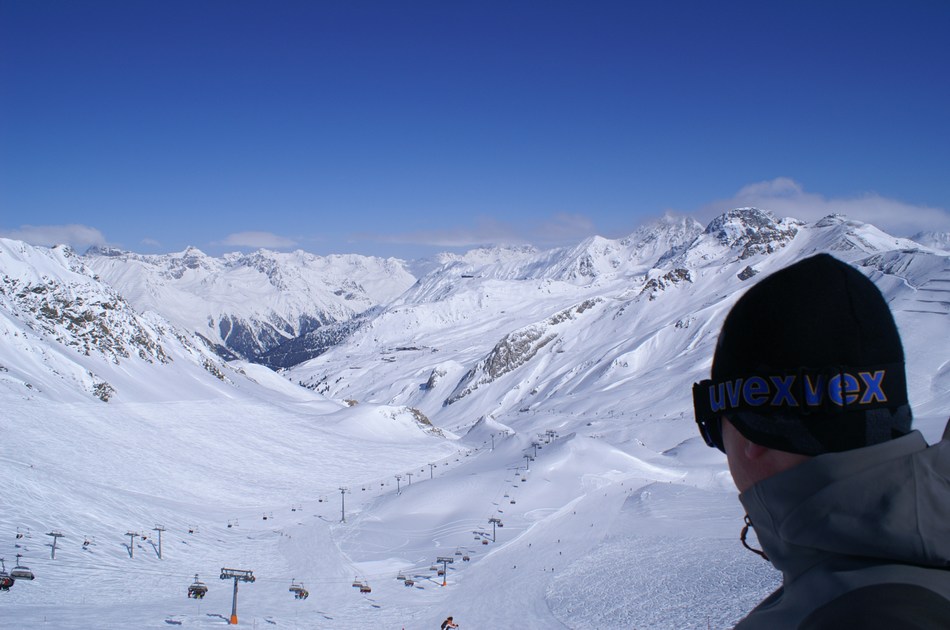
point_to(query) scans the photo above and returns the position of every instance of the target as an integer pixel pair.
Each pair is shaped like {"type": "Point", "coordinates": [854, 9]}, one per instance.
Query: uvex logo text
{"type": "Point", "coordinates": [841, 389]}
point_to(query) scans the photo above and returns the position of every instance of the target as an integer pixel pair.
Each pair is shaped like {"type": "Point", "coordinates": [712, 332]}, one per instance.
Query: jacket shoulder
{"type": "Point", "coordinates": [883, 607]}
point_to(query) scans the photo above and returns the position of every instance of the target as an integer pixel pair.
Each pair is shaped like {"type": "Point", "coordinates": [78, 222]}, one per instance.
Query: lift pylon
{"type": "Point", "coordinates": [238, 575]}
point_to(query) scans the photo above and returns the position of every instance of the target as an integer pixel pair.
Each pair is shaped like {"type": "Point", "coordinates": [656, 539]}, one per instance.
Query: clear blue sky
{"type": "Point", "coordinates": [398, 127]}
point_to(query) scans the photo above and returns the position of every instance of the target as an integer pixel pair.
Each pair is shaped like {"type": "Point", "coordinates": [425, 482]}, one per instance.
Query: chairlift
{"type": "Point", "coordinates": [298, 590]}
{"type": "Point", "coordinates": [365, 589]}
{"type": "Point", "coordinates": [484, 541]}
{"type": "Point", "coordinates": [458, 552]}
{"type": "Point", "coordinates": [410, 582]}
{"type": "Point", "coordinates": [434, 567]}
{"type": "Point", "coordinates": [401, 577]}
{"type": "Point", "coordinates": [512, 501]}
{"type": "Point", "coordinates": [20, 572]}
{"type": "Point", "coordinates": [357, 583]}
{"type": "Point", "coordinates": [466, 558]}
{"type": "Point", "coordinates": [440, 572]}
{"type": "Point", "coordinates": [5, 580]}
{"type": "Point", "coordinates": [197, 590]}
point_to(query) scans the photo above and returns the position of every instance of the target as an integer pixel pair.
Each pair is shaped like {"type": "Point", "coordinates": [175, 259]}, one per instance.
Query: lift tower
{"type": "Point", "coordinates": [238, 575]}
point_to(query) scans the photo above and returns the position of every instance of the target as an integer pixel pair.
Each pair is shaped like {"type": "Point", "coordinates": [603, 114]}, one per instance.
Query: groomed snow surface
{"type": "Point", "coordinates": [590, 536]}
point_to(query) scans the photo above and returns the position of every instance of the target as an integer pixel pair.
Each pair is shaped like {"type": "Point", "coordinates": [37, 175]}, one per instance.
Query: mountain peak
{"type": "Point", "coordinates": [752, 231]}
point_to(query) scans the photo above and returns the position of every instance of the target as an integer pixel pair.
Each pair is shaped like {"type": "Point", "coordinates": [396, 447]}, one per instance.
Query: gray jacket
{"type": "Point", "coordinates": [861, 536]}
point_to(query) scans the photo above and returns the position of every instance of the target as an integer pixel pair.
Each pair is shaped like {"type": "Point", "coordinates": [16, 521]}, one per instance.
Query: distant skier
{"type": "Point", "coordinates": [448, 623]}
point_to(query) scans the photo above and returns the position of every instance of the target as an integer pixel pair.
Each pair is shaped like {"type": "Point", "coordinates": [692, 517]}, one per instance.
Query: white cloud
{"type": "Point", "coordinates": [486, 231]}
{"type": "Point", "coordinates": [564, 227]}
{"type": "Point", "coordinates": [79, 237]}
{"type": "Point", "coordinates": [786, 197]}
{"type": "Point", "coordinates": [557, 230]}
{"type": "Point", "coordinates": [266, 240]}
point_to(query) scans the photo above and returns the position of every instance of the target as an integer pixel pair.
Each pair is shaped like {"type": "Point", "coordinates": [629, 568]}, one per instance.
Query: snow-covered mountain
{"type": "Point", "coordinates": [67, 334]}
{"type": "Point", "coordinates": [934, 240]}
{"type": "Point", "coordinates": [248, 305]}
{"type": "Point", "coordinates": [529, 327]}
{"type": "Point", "coordinates": [523, 413]}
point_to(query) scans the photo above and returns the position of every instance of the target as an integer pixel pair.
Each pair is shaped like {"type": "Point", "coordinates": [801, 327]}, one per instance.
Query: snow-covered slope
{"type": "Point", "coordinates": [525, 414]}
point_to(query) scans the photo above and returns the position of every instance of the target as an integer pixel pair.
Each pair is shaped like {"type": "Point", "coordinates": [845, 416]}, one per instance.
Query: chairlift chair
{"type": "Point", "coordinates": [21, 572]}
{"type": "Point", "coordinates": [357, 582]}
{"type": "Point", "coordinates": [298, 590]}
{"type": "Point", "coordinates": [5, 580]}
{"type": "Point", "coordinates": [197, 590]}
{"type": "Point", "coordinates": [410, 582]}
{"type": "Point", "coordinates": [484, 541]}
{"type": "Point", "coordinates": [465, 558]}
{"type": "Point", "coordinates": [365, 589]}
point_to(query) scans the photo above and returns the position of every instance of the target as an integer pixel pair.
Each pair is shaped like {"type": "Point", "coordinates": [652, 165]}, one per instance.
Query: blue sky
{"type": "Point", "coordinates": [404, 128]}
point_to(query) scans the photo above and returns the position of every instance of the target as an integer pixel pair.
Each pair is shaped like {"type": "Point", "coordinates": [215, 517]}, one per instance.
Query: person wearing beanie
{"type": "Point", "coordinates": [808, 400]}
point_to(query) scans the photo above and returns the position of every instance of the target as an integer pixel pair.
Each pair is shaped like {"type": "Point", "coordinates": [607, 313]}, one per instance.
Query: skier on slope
{"type": "Point", "coordinates": [448, 623]}
{"type": "Point", "coordinates": [808, 400]}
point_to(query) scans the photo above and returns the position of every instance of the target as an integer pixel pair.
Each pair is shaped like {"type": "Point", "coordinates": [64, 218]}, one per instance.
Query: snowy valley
{"type": "Point", "coordinates": [333, 422]}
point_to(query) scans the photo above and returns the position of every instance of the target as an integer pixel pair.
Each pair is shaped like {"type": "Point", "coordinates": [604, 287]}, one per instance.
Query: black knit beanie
{"type": "Point", "coordinates": [809, 361]}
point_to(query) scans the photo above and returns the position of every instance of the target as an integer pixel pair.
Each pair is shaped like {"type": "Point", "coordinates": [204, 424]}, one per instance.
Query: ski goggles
{"type": "Point", "coordinates": [800, 393]}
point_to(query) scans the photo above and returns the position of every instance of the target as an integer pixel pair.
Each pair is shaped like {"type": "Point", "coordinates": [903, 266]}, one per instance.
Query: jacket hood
{"type": "Point", "coordinates": [890, 501]}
